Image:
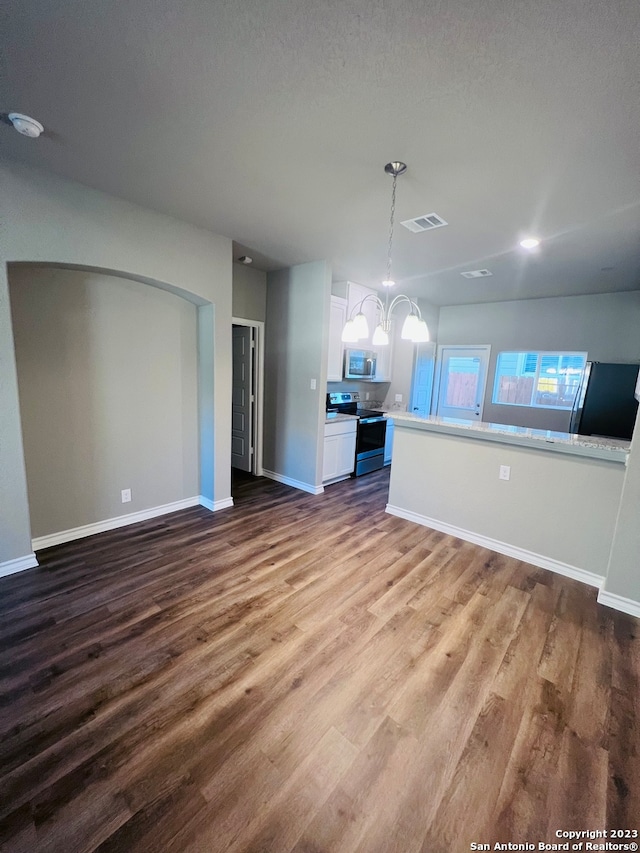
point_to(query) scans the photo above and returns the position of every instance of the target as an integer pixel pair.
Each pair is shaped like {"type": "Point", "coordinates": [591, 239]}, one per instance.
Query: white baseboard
{"type": "Point", "coordinates": [501, 547]}
{"type": "Point", "coordinates": [110, 524]}
{"type": "Point", "coordinates": [619, 602]}
{"type": "Point", "coordinates": [214, 506]}
{"type": "Point", "coordinates": [10, 567]}
{"type": "Point", "coordinates": [333, 480]}
{"type": "Point", "coordinates": [296, 484]}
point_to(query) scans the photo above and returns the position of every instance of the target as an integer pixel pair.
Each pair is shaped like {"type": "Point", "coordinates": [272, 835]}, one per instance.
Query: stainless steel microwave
{"type": "Point", "coordinates": [359, 364]}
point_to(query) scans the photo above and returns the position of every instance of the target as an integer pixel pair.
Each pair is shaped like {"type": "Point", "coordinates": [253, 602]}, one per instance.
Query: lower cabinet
{"type": "Point", "coordinates": [339, 450]}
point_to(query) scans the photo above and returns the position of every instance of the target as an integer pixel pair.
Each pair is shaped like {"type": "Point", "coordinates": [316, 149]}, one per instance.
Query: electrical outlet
{"type": "Point", "coordinates": [126, 496]}
{"type": "Point", "coordinates": [366, 395]}
{"type": "Point", "coordinates": [398, 398]}
{"type": "Point", "coordinates": [505, 472]}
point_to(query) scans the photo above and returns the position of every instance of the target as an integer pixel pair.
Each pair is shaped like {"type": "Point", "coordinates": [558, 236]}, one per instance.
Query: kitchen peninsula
{"type": "Point", "coordinates": [548, 498]}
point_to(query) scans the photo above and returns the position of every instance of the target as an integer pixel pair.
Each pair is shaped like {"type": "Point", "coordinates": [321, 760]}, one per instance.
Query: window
{"type": "Point", "coordinates": [545, 380]}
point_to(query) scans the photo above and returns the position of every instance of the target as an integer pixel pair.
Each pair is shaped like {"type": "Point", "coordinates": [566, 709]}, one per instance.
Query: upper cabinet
{"type": "Point", "coordinates": [356, 293]}
{"type": "Point", "coordinates": [337, 319]}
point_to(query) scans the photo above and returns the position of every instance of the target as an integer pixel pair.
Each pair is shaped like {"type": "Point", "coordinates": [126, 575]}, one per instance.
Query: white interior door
{"type": "Point", "coordinates": [462, 378]}
{"type": "Point", "coordinates": [242, 399]}
{"type": "Point", "coordinates": [422, 386]}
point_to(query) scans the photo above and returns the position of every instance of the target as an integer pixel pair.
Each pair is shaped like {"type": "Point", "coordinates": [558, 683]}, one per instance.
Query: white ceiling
{"type": "Point", "coordinates": [270, 121]}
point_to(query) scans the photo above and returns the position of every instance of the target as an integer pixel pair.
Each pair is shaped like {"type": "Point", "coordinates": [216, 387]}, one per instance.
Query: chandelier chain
{"type": "Point", "coordinates": [414, 328]}
{"type": "Point", "coordinates": [393, 213]}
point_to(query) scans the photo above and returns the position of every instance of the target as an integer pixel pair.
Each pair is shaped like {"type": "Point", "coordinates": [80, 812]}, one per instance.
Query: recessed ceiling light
{"type": "Point", "coordinates": [529, 243]}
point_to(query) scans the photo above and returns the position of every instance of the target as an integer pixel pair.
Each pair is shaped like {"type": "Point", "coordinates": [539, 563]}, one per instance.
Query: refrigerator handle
{"type": "Point", "coordinates": [573, 426]}
{"type": "Point", "coordinates": [578, 402]}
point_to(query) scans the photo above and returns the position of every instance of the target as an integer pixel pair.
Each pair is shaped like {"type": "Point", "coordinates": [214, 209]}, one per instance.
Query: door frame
{"type": "Point", "coordinates": [257, 408]}
{"type": "Point", "coordinates": [438, 372]}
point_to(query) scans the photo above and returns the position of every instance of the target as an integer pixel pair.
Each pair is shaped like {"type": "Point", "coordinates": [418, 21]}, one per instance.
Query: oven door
{"type": "Point", "coordinates": [371, 436]}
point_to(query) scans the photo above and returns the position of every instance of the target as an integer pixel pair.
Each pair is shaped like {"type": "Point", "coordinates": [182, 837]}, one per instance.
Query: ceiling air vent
{"type": "Point", "coordinates": [476, 273]}
{"type": "Point", "coordinates": [424, 223]}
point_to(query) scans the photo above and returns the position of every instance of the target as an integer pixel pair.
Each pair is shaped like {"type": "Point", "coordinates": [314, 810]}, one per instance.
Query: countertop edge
{"type": "Point", "coordinates": [485, 432]}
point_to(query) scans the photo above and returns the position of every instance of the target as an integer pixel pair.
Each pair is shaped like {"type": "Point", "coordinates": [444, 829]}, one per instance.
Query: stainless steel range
{"type": "Point", "coordinates": [372, 428]}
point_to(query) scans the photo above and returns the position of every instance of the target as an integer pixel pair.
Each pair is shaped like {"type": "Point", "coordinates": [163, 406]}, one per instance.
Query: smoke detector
{"type": "Point", "coordinates": [245, 259]}
{"type": "Point", "coordinates": [26, 125]}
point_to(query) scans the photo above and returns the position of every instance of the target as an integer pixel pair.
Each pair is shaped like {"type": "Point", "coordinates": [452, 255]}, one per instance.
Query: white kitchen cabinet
{"type": "Point", "coordinates": [339, 449]}
{"type": "Point", "coordinates": [388, 442]}
{"type": "Point", "coordinates": [337, 319]}
{"type": "Point", "coordinates": [355, 294]}
{"type": "Point", "coordinates": [384, 361]}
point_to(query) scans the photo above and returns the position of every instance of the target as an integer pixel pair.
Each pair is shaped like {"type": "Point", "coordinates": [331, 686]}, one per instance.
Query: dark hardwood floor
{"type": "Point", "coordinates": [305, 673]}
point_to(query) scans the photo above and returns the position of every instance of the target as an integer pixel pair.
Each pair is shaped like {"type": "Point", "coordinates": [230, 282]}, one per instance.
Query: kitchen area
{"type": "Point", "coordinates": [363, 379]}
{"type": "Point", "coordinates": [320, 452]}
{"type": "Point", "coordinates": [357, 440]}
{"type": "Point", "coordinates": [382, 379]}
{"type": "Point", "coordinates": [561, 499]}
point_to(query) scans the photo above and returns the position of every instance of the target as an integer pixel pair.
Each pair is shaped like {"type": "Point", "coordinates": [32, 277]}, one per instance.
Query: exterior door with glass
{"type": "Point", "coordinates": [422, 385]}
{"type": "Point", "coordinates": [462, 378]}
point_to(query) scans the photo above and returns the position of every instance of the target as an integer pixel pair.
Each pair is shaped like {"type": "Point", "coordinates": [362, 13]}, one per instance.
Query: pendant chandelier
{"type": "Point", "coordinates": [414, 327]}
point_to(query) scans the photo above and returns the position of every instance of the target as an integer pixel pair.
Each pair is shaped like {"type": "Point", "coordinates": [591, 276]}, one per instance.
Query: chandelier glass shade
{"type": "Point", "coordinates": [414, 327]}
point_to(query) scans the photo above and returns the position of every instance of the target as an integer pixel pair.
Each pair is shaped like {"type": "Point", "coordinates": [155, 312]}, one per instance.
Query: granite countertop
{"type": "Point", "coordinates": [611, 449]}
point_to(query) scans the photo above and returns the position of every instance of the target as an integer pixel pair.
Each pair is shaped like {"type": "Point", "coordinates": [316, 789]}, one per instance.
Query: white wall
{"type": "Point", "coordinates": [605, 326]}
{"type": "Point", "coordinates": [107, 375]}
{"type": "Point", "coordinates": [559, 507]}
{"type": "Point", "coordinates": [46, 219]}
{"type": "Point", "coordinates": [249, 293]}
{"type": "Point", "coordinates": [296, 351]}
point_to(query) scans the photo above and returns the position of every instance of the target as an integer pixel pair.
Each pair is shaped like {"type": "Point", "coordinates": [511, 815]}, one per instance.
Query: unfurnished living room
{"type": "Point", "coordinates": [319, 376]}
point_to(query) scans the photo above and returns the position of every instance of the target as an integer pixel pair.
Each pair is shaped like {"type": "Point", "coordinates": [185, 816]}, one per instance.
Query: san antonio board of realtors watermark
{"type": "Point", "coordinates": [583, 840]}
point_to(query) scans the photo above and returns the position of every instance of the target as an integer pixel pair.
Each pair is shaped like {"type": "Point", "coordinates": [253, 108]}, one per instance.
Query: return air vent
{"type": "Point", "coordinates": [476, 273]}
{"type": "Point", "coordinates": [424, 223]}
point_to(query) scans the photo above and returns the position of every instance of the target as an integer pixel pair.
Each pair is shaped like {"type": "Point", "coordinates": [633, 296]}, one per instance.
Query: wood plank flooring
{"type": "Point", "coordinates": [306, 673]}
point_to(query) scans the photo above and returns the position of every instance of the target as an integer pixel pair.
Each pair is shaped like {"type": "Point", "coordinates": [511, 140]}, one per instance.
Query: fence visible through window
{"type": "Point", "coordinates": [538, 379]}
{"type": "Point", "coordinates": [462, 382]}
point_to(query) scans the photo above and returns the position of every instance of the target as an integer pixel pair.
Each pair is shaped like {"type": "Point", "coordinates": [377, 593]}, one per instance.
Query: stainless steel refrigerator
{"type": "Point", "coordinates": [605, 404]}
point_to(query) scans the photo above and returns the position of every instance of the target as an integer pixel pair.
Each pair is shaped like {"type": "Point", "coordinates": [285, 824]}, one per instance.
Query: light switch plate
{"type": "Point", "coordinates": [398, 398]}
{"type": "Point", "coordinates": [313, 384]}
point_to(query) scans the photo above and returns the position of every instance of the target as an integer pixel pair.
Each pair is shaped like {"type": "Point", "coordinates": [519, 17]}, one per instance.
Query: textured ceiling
{"type": "Point", "coordinates": [270, 122]}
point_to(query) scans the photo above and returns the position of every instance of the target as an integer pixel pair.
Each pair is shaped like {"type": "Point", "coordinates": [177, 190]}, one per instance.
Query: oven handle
{"type": "Point", "coordinates": [371, 420]}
